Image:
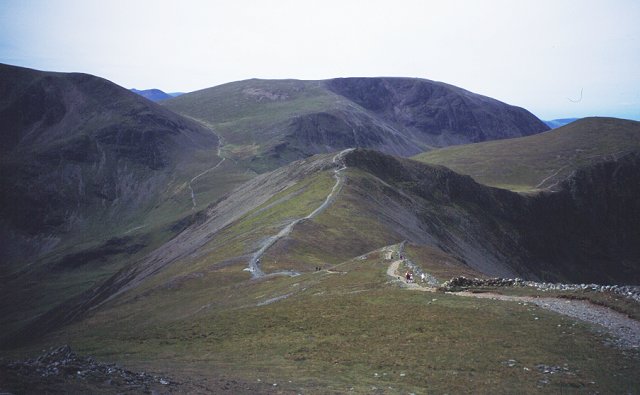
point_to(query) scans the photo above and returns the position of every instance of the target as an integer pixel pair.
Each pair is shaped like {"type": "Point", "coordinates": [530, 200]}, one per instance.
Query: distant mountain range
{"type": "Point", "coordinates": [156, 94]}
{"type": "Point", "coordinates": [556, 123]}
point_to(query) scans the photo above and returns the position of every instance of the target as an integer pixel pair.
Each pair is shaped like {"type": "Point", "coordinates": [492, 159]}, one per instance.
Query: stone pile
{"type": "Point", "coordinates": [627, 291]}
{"type": "Point", "coordinates": [462, 281]}
{"type": "Point", "coordinates": [63, 363]}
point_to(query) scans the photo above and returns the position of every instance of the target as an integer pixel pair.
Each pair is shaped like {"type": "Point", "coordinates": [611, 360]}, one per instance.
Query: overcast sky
{"type": "Point", "coordinates": [555, 58]}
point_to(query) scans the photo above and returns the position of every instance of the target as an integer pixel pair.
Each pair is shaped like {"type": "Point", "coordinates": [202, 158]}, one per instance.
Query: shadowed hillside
{"type": "Point", "coordinates": [92, 176]}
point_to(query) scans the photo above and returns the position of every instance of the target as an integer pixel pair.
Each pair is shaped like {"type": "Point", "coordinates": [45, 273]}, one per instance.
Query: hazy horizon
{"type": "Point", "coordinates": [557, 59]}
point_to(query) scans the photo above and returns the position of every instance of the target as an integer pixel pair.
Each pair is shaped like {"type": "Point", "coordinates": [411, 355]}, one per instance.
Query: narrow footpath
{"type": "Point", "coordinates": [254, 263]}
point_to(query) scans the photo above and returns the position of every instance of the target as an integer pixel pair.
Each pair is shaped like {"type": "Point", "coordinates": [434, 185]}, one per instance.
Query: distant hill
{"type": "Point", "coordinates": [556, 123]}
{"type": "Point", "coordinates": [272, 122]}
{"type": "Point", "coordinates": [542, 161]}
{"type": "Point", "coordinates": [154, 94]}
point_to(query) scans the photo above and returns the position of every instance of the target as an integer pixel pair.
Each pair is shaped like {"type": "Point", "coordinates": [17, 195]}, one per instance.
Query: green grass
{"type": "Point", "coordinates": [351, 329]}
{"type": "Point", "coordinates": [250, 114]}
{"type": "Point", "coordinates": [523, 164]}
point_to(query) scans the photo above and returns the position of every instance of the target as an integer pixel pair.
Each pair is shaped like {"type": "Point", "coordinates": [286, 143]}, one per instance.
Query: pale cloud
{"type": "Point", "coordinates": [535, 54]}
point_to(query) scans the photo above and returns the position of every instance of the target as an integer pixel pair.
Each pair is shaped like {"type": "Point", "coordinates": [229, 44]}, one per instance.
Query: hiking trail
{"type": "Point", "coordinates": [626, 330]}
{"type": "Point", "coordinates": [254, 263]}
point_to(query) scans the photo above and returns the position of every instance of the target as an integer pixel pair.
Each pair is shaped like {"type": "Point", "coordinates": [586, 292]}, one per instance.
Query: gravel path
{"type": "Point", "coordinates": [625, 330]}
{"type": "Point", "coordinates": [254, 263]}
{"type": "Point", "coordinates": [392, 271]}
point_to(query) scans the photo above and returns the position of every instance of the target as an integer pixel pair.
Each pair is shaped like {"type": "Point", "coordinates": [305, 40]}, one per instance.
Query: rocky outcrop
{"type": "Point", "coordinates": [461, 282]}
{"type": "Point", "coordinates": [61, 369]}
{"type": "Point", "coordinates": [436, 113]}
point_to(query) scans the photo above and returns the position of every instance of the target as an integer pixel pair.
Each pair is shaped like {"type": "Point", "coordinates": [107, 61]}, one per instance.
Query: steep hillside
{"type": "Point", "coordinates": [273, 225]}
{"type": "Point", "coordinates": [543, 161]}
{"type": "Point", "coordinates": [272, 122]}
{"type": "Point", "coordinates": [91, 177]}
{"type": "Point", "coordinates": [81, 153]}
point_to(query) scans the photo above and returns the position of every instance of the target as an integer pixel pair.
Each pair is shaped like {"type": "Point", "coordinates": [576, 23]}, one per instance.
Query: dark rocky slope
{"type": "Point", "coordinates": [586, 232]}
{"type": "Point", "coordinates": [435, 113]}
{"type": "Point", "coordinates": [81, 155]}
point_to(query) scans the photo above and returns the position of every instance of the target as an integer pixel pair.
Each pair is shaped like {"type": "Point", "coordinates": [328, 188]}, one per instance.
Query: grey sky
{"type": "Point", "coordinates": [536, 54]}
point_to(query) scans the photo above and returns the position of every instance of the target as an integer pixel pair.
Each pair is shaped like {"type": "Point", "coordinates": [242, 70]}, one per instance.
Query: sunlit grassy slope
{"type": "Point", "coordinates": [241, 111]}
{"type": "Point", "coordinates": [540, 161]}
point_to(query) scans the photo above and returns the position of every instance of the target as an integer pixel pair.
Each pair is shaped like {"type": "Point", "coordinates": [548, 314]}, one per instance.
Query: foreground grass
{"type": "Point", "coordinates": [348, 330]}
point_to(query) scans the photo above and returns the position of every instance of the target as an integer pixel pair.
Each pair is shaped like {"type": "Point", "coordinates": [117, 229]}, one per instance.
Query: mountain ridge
{"type": "Point", "coordinates": [541, 161]}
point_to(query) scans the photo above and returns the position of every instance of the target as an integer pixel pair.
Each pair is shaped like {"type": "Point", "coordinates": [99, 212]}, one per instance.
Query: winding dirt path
{"type": "Point", "coordinates": [193, 195]}
{"type": "Point", "coordinates": [254, 263]}
{"type": "Point", "coordinates": [625, 330]}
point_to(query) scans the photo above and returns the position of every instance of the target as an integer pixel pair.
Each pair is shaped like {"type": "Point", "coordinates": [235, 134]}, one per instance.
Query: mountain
{"type": "Point", "coordinates": [154, 94]}
{"type": "Point", "coordinates": [92, 176]}
{"type": "Point", "coordinates": [542, 161]}
{"type": "Point", "coordinates": [586, 232]}
{"type": "Point", "coordinates": [269, 123]}
{"type": "Point", "coordinates": [142, 237]}
{"type": "Point", "coordinates": [79, 152]}
{"type": "Point", "coordinates": [195, 300]}
{"type": "Point", "coordinates": [556, 123]}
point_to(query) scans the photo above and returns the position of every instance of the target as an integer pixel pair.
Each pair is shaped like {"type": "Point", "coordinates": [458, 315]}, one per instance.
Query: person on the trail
{"type": "Point", "coordinates": [407, 275]}
{"type": "Point", "coordinates": [422, 276]}
{"type": "Point", "coordinates": [410, 277]}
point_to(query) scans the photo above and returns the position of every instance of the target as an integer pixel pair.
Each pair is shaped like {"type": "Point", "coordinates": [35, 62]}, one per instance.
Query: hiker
{"type": "Point", "coordinates": [407, 275]}
{"type": "Point", "coordinates": [422, 276]}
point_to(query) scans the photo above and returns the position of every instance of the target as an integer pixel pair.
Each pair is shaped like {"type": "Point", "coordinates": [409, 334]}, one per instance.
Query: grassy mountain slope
{"type": "Point", "coordinates": [190, 308]}
{"type": "Point", "coordinates": [272, 122]}
{"type": "Point", "coordinates": [585, 233]}
{"type": "Point", "coordinates": [542, 161]}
